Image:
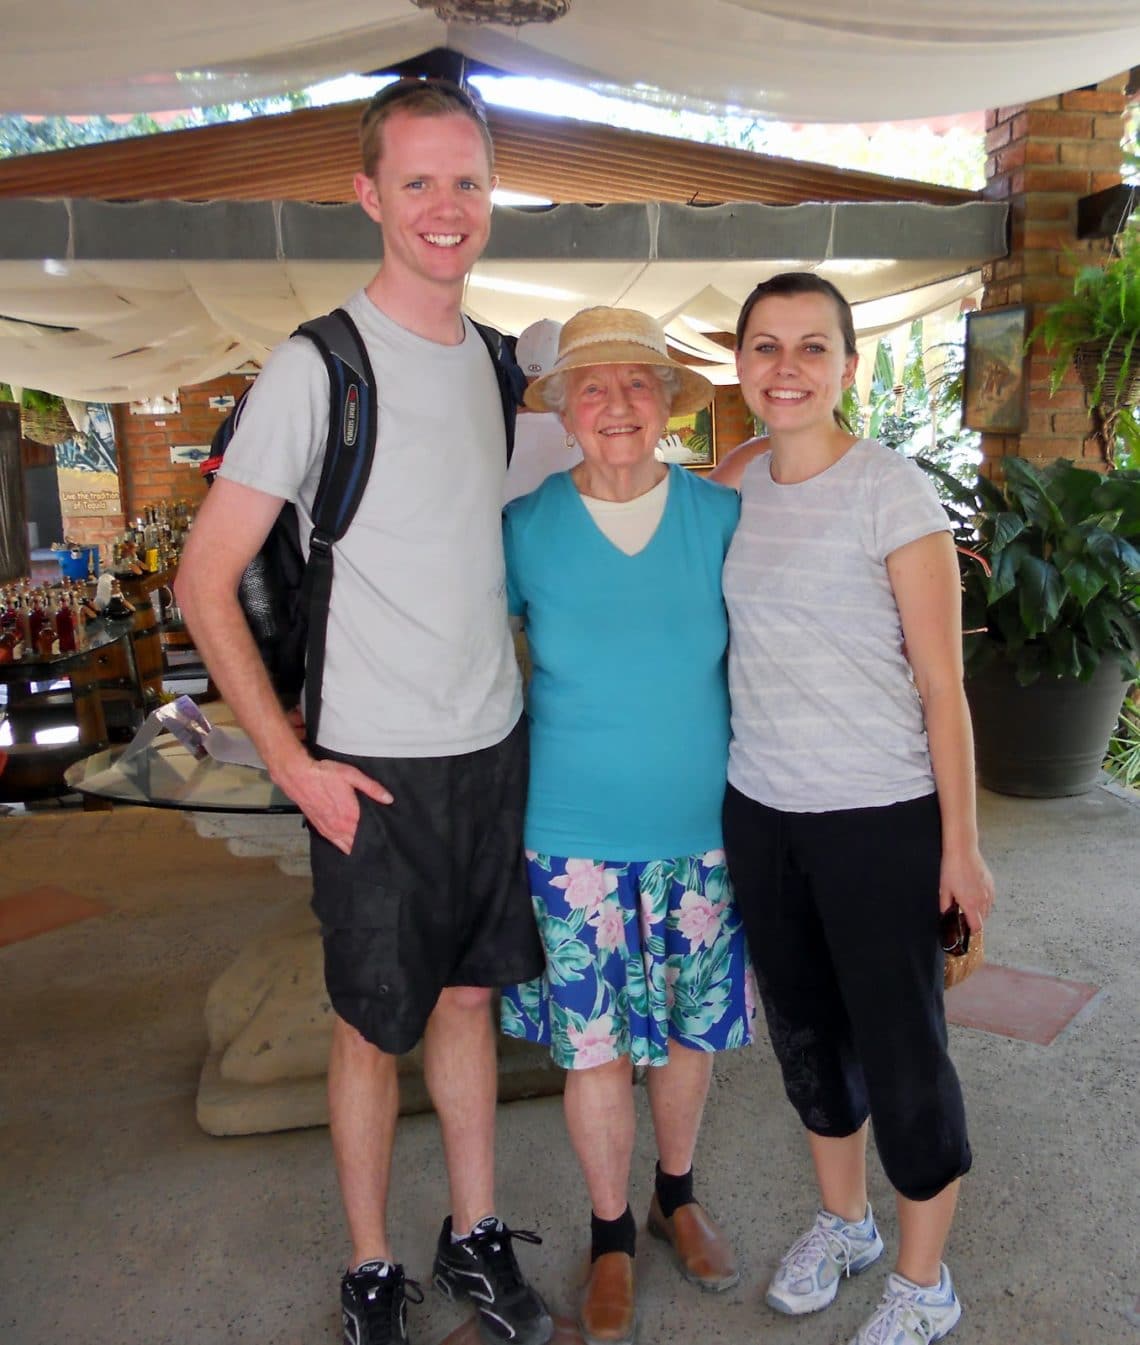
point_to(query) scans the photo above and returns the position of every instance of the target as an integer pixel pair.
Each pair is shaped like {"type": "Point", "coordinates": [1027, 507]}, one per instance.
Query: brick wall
{"type": "Point", "coordinates": [1041, 158]}
{"type": "Point", "coordinates": [146, 474]}
{"type": "Point", "coordinates": [732, 419]}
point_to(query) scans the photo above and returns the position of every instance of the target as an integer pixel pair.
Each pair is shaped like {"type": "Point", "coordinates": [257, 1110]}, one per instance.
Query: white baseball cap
{"type": "Point", "coordinates": [537, 347]}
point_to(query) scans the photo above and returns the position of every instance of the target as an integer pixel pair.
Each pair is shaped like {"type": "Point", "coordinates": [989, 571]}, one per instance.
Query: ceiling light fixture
{"type": "Point", "coordinates": [513, 13]}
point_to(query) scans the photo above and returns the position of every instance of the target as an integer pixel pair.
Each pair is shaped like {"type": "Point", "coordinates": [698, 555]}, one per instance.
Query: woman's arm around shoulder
{"type": "Point", "coordinates": [731, 467]}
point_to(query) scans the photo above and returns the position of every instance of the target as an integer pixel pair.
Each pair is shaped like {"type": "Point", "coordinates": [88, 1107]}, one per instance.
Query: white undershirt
{"type": "Point", "coordinates": [630, 524]}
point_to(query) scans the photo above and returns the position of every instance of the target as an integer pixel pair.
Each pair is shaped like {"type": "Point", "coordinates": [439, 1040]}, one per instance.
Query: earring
{"type": "Point", "coordinates": [570, 441]}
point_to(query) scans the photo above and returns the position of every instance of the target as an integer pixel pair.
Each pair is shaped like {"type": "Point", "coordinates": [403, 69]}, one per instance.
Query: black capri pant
{"type": "Point", "coordinates": [841, 912]}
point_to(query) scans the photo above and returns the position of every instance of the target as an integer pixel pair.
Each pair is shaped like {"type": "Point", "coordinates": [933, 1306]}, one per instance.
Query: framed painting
{"type": "Point", "coordinates": [689, 440]}
{"type": "Point", "coordinates": [995, 384]}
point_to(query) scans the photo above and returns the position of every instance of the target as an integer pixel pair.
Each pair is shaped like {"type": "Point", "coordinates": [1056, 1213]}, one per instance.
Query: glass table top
{"type": "Point", "coordinates": [167, 775]}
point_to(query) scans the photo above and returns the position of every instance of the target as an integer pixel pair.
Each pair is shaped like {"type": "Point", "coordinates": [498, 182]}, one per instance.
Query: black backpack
{"type": "Point", "coordinates": [285, 599]}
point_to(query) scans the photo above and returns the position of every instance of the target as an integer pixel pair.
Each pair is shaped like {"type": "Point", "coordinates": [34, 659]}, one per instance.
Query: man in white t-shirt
{"type": "Point", "coordinates": [415, 788]}
{"type": "Point", "coordinates": [542, 446]}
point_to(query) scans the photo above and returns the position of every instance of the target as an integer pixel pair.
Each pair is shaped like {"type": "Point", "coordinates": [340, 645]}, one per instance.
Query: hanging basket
{"type": "Point", "coordinates": [1087, 359]}
{"type": "Point", "coordinates": [48, 425]}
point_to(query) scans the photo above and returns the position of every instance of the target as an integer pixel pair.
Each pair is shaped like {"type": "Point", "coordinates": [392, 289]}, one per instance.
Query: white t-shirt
{"type": "Point", "coordinates": [630, 524]}
{"type": "Point", "coordinates": [825, 713]}
{"type": "Point", "coordinates": [540, 451]}
{"type": "Point", "coordinates": [419, 659]}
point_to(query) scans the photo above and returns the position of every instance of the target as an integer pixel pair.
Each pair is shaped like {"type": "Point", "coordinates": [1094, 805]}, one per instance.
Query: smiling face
{"type": "Point", "coordinates": [431, 196]}
{"type": "Point", "coordinates": [793, 363]}
{"type": "Point", "coordinates": [617, 413]}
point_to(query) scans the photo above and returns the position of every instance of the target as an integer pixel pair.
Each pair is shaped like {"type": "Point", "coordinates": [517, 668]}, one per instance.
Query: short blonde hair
{"type": "Point", "coordinates": [420, 98]}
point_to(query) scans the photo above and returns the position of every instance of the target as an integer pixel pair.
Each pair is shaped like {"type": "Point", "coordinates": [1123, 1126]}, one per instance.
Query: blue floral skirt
{"type": "Point", "coordinates": [636, 954]}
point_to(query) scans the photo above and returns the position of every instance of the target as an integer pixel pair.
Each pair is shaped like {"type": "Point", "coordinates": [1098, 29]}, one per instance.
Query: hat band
{"type": "Point", "coordinates": [608, 337]}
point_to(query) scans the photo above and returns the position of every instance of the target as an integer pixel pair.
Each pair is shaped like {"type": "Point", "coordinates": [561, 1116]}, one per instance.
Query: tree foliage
{"type": "Point", "coordinates": [37, 135]}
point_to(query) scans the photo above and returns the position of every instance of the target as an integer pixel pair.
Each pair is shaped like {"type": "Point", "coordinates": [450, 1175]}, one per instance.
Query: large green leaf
{"type": "Point", "coordinates": [1003, 580]}
{"type": "Point", "coordinates": [1041, 591]}
{"type": "Point", "coordinates": [1073, 489]}
{"type": "Point", "coordinates": [1084, 581]}
{"type": "Point", "coordinates": [1007, 526]}
{"type": "Point", "coordinates": [1116, 556]}
{"type": "Point", "coordinates": [1030, 490]}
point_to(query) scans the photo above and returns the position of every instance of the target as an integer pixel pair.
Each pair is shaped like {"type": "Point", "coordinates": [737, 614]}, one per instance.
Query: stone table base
{"type": "Point", "coordinates": [270, 1022]}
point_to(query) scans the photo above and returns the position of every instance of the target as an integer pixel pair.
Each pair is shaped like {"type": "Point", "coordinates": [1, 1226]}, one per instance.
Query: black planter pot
{"type": "Point", "coordinates": [1045, 740]}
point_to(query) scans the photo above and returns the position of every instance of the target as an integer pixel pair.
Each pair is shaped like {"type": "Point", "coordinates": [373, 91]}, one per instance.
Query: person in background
{"type": "Point", "coordinates": [542, 446]}
{"type": "Point", "coordinates": [849, 819]}
{"type": "Point", "coordinates": [415, 788]}
{"type": "Point", "coordinates": [614, 568]}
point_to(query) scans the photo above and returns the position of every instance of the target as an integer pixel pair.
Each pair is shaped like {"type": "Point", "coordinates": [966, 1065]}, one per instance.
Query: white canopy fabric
{"type": "Point", "coordinates": [799, 60]}
{"type": "Point", "coordinates": [105, 302]}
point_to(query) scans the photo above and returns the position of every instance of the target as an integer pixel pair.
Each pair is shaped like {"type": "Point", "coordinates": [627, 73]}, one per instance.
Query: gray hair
{"type": "Point", "coordinates": [554, 388]}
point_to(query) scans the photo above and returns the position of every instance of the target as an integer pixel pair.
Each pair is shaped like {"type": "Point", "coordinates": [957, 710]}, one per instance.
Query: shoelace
{"type": "Point", "coordinates": [495, 1246]}
{"type": "Point", "coordinates": [805, 1254]}
{"type": "Point", "coordinates": [377, 1308]}
{"type": "Point", "coordinates": [897, 1311]}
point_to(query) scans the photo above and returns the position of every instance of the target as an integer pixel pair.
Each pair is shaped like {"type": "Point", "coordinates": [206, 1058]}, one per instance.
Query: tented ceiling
{"type": "Point", "coordinates": [802, 60]}
{"type": "Point", "coordinates": [117, 302]}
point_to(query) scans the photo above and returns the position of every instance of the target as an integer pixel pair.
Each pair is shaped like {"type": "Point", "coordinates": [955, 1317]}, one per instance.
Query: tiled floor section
{"type": "Point", "coordinates": [1025, 1005]}
{"type": "Point", "coordinates": [35, 910]}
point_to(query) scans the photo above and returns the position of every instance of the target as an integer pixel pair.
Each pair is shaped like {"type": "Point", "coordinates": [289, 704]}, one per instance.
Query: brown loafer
{"type": "Point", "coordinates": [607, 1314]}
{"type": "Point", "coordinates": [702, 1252]}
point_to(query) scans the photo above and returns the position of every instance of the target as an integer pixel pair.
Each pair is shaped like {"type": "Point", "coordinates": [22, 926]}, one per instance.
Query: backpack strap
{"type": "Point", "coordinates": [349, 451]}
{"type": "Point", "coordinates": [508, 375]}
{"type": "Point", "coordinates": [350, 448]}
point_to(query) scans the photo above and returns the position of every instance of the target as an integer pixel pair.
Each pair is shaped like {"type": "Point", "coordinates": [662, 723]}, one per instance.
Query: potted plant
{"type": "Point", "coordinates": [1054, 628]}
{"type": "Point", "coordinates": [1096, 329]}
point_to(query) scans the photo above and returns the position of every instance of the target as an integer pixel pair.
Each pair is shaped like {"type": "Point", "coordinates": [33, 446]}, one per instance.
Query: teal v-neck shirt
{"type": "Point", "coordinates": [628, 702]}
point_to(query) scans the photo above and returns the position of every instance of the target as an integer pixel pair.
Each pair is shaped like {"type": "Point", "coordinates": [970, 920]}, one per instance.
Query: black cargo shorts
{"type": "Point", "coordinates": [434, 892]}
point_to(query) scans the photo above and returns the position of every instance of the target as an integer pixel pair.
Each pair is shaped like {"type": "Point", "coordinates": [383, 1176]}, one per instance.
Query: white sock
{"type": "Point", "coordinates": [381, 1266]}
{"type": "Point", "coordinates": [488, 1224]}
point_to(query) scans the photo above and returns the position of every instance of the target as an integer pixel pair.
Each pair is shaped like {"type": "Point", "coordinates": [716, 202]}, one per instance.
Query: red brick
{"type": "Point", "coordinates": [1058, 179]}
{"type": "Point", "coordinates": [998, 136]}
{"type": "Point", "coordinates": [1043, 205]}
{"type": "Point", "coordinates": [1012, 156]}
{"type": "Point", "coordinates": [1071, 423]}
{"type": "Point", "coordinates": [1047, 125]}
{"type": "Point", "coordinates": [1047, 237]}
{"type": "Point", "coordinates": [1089, 100]}
{"type": "Point", "coordinates": [1098, 154]}
{"type": "Point", "coordinates": [1101, 181]}
{"type": "Point", "coordinates": [1110, 129]}
{"type": "Point", "coordinates": [1040, 151]}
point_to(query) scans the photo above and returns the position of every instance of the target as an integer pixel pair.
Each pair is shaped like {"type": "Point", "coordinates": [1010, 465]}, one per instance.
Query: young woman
{"type": "Point", "coordinates": [849, 820]}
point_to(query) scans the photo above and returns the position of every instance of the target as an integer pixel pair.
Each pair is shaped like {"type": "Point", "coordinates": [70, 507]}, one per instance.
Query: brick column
{"type": "Point", "coordinates": [1042, 157]}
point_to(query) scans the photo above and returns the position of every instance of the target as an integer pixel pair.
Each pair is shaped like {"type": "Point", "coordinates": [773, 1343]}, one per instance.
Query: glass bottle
{"type": "Point", "coordinates": [65, 624]}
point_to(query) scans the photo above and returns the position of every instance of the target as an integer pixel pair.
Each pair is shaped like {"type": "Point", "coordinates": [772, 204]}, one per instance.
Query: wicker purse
{"type": "Point", "coordinates": [965, 949]}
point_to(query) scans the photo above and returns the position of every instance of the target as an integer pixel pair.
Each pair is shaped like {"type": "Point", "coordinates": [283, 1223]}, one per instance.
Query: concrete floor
{"type": "Point", "coordinates": [120, 1221]}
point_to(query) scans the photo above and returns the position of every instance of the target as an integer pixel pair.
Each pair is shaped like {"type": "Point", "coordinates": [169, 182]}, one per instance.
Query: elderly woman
{"type": "Point", "coordinates": [614, 567]}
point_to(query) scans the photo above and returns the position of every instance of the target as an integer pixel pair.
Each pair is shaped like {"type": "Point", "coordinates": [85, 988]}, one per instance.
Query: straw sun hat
{"type": "Point", "coordinates": [619, 336]}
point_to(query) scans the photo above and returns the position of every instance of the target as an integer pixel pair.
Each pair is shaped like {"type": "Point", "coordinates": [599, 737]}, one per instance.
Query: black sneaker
{"type": "Point", "coordinates": [373, 1307]}
{"type": "Point", "coordinates": [483, 1268]}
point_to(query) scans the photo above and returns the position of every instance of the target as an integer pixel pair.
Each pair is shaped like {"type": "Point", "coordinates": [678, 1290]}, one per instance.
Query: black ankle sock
{"type": "Point", "coordinates": [673, 1192]}
{"type": "Point", "coordinates": [613, 1235]}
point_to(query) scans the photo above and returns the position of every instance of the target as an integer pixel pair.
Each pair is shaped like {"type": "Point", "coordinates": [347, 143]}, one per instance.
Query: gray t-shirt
{"type": "Point", "coordinates": [419, 660]}
{"type": "Point", "coordinates": [825, 714]}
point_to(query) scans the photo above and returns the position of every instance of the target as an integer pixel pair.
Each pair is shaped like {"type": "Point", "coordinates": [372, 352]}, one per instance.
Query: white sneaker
{"type": "Point", "coordinates": [807, 1279]}
{"type": "Point", "coordinates": [910, 1314]}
